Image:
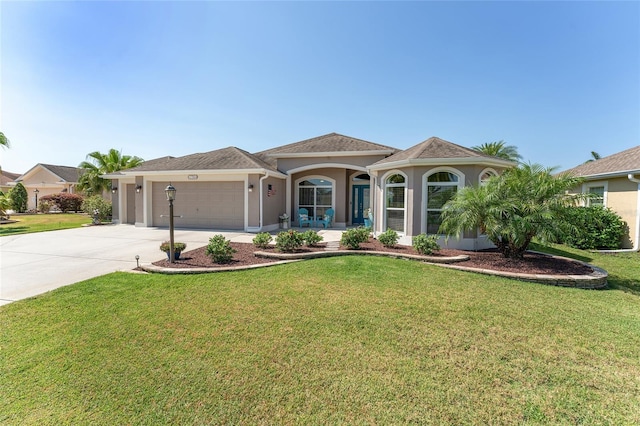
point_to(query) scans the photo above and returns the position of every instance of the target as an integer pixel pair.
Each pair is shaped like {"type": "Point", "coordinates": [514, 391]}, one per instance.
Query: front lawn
{"type": "Point", "coordinates": [43, 222]}
{"type": "Point", "coordinates": [328, 341]}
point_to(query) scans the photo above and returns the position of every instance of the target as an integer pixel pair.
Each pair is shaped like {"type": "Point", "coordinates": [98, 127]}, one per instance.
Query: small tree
{"type": "Point", "coordinates": [524, 202]}
{"type": "Point", "coordinates": [97, 205]}
{"type": "Point", "coordinates": [19, 198]}
{"type": "Point", "coordinates": [5, 204]}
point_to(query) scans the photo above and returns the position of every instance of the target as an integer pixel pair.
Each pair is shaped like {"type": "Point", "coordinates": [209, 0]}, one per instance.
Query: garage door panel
{"type": "Point", "coordinates": [216, 205]}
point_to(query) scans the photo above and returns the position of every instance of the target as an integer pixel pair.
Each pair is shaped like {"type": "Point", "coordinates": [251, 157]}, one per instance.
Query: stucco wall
{"type": "Point", "coordinates": [340, 191]}
{"type": "Point", "coordinates": [286, 164]}
{"type": "Point", "coordinates": [622, 197]}
{"type": "Point", "coordinates": [274, 202]}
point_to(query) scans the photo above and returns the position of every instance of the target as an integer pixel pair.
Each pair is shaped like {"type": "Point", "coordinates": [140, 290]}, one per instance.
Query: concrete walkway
{"type": "Point", "coordinates": [33, 264]}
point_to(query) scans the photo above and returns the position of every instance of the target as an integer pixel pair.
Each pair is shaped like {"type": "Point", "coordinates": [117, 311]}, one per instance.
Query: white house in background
{"type": "Point", "coordinates": [48, 179]}
{"type": "Point", "coordinates": [231, 189]}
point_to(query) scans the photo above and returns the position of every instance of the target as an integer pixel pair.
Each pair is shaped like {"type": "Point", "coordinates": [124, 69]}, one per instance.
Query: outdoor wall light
{"type": "Point", "coordinates": [114, 189]}
{"type": "Point", "coordinates": [138, 188]}
{"type": "Point", "coordinates": [250, 187]}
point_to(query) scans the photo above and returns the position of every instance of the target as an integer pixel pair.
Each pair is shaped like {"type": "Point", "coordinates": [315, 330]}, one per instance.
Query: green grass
{"type": "Point", "coordinates": [43, 222]}
{"type": "Point", "coordinates": [339, 340]}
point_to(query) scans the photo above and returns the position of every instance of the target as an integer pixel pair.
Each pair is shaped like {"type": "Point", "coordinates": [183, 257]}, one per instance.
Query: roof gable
{"type": "Point", "coordinates": [66, 174]}
{"type": "Point", "coordinates": [627, 161]}
{"type": "Point", "coordinates": [7, 177]}
{"type": "Point", "coordinates": [329, 143]}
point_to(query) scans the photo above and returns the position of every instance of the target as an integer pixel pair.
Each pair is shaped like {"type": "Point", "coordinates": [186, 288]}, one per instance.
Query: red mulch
{"type": "Point", "coordinates": [486, 259]}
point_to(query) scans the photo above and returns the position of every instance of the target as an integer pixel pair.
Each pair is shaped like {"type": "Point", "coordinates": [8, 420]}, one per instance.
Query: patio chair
{"type": "Point", "coordinates": [327, 219]}
{"type": "Point", "coordinates": [303, 218]}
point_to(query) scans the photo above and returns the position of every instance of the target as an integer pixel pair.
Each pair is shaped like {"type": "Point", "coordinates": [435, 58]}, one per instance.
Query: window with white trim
{"type": "Point", "coordinates": [486, 175]}
{"type": "Point", "coordinates": [598, 191]}
{"type": "Point", "coordinates": [441, 187]}
{"type": "Point", "coordinates": [315, 195]}
{"type": "Point", "coordinates": [395, 190]}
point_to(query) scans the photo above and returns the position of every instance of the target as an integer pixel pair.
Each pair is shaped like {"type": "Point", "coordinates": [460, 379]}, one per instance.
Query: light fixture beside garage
{"type": "Point", "coordinates": [138, 188]}
{"type": "Point", "coordinates": [250, 187]}
{"type": "Point", "coordinates": [114, 189]}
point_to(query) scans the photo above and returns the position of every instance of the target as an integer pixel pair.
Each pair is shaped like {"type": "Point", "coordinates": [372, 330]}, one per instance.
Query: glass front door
{"type": "Point", "coordinates": [360, 197]}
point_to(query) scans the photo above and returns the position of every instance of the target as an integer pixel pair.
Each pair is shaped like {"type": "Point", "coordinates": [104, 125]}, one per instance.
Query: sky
{"type": "Point", "coordinates": [555, 79]}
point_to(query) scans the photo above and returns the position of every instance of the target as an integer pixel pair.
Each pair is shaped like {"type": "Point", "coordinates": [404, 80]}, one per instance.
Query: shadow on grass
{"type": "Point", "coordinates": [624, 284]}
{"type": "Point", "coordinates": [559, 252]}
{"type": "Point", "coordinates": [13, 230]}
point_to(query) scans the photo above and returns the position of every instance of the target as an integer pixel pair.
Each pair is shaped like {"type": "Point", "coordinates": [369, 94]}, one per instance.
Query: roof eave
{"type": "Point", "coordinates": [215, 172]}
{"type": "Point", "coordinates": [441, 161]}
{"type": "Point", "coordinates": [615, 174]}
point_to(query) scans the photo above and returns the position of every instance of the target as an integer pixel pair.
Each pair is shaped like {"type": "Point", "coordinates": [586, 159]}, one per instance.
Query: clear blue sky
{"type": "Point", "coordinates": [556, 79]}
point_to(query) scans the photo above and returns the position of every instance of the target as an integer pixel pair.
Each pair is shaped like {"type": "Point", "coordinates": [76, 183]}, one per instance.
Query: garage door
{"type": "Point", "coordinates": [204, 205]}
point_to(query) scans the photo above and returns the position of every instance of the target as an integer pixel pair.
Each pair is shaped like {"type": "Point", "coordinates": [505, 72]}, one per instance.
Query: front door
{"type": "Point", "coordinates": [360, 197]}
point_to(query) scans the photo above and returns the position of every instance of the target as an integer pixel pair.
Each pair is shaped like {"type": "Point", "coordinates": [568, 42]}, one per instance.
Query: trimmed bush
{"type": "Point", "coordinates": [97, 204]}
{"type": "Point", "coordinates": [177, 247]}
{"type": "Point", "coordinates": [64, 201]}
{"type": "Point", "coordinates": [425, 244]}
{"type": "Point", "coordinates": [594, 227]}
{"type": "Point", "coordinates": [19, 197]}
{"type": "Point", "coordinates": [262, 240]}
{"type": "Point", "coordinates": [352, 238]}
{"type": "Point", "coordinates": [389, 238]}
{"type": "Point", "coordinates": [288, 241]}
{"type": "Point", "coordinates": [311, 238]}
{"type": "Point", "coordinates": [219, 249]}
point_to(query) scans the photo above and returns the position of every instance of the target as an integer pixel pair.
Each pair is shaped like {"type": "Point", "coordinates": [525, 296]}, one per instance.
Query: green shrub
{"type": "Point", "coordinates": [289, 241]}
{"type": "Point", "coordinates": [425, 244]}
{"type": "Point", "coordinates": [389, 238]}
{"type": "Point", "coordinates": [594, 227]}
{"type": "Point", "coordinates": [219, 249]}
{"type": "Point", "coordinates": [262, 240]}
{"type": "Point", "coordinates": [352, 238]}
{"type": "Point", "coordinates": [19, 198]}
{"type": "Point", "coordinates": [177, 247]}
{"type": "Point", "coordinates": [311, 238]}
{"type": "Point", "coordinates": [97, 204]}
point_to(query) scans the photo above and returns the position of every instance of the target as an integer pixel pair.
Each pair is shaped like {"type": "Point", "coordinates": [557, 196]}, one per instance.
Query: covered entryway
{"type": "Point", "coordinates": [202, 205]}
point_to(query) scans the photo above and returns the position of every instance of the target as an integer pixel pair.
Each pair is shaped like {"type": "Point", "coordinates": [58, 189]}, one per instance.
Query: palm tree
{"type": "Point", "coordinates": [594, 156]}
{"type": "Point", "coordinates": [100, 164]}
{"type": "Point", "coordinates": [499, 149]}
{"type": "Point", "coordinates": [4, 141]}
{"type": "Point", "coordinates": [523, 203]}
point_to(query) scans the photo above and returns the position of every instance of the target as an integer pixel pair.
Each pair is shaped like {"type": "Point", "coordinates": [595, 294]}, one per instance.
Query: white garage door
{"type": "Point", "coordinates": [204, 205]}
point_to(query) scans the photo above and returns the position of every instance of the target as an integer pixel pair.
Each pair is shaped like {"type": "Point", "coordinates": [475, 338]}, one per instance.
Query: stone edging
{"type": "Point", "coordinates": [596, 280]}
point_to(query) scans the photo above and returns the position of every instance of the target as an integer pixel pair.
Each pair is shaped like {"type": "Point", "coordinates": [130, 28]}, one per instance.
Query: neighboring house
{"type": "Point", "coordinates": [616, 181]}
{"type": "Point", "coordinates": [48, 179]}
{"type": "Point", "coordinates": [7, 180]}
{"type": "Point", "coordinates": [233, 189]}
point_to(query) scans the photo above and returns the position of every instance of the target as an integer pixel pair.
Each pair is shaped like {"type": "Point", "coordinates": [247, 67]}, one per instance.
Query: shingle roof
{"type": "Point", "coordinates": [627, 161]}
{"type": "Point", "coordinates": [230, 158]}
{"type": "Point", "coordinates": [435, 148]}
{"type": "Point", "coordinates": [332, 142]}
{"type": "Point", "coordinates": [7, 177]}
{"type": "Point", "coordinates": [66, 173]}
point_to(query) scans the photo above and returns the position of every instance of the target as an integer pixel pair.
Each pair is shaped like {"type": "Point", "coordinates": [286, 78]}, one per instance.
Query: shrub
{"type": "Point", "coordinates": [99, 204]}
{"type": "Point", "coordinates": [44, 206]}
{"type": "Point", "coordinates": [19, 197]}
{"type": "Point", "coordinates": [177, 247]}
{"type": "Point", "coordinates": [289, 241]}
{"type": "Point", "coordinates": [389, 238]}
{"type": "Point", "coordinates": [425, 244]}
{"type": "Point", "coordinates": [311, 238]}
{"type": "Point", "coordinates": [352, 238]}
{"type": "Point", "coordinates": [594, 227]}
{"type": "Point", "coordinates": [64, 201]}
{"type": "Point", "coordinates": [262, 240]}
{"type": "Point", "coordinates": [219, 249]}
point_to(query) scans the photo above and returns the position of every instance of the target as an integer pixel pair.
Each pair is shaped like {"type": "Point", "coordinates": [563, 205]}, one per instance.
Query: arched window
{"type": "Point", "coordinates": [315, 195]}
{"type": "Point", "coordinates": [486, 175]}
{"type": "Point", "coordinates": [441, 186]}
{"type": "Point", "coordinates": [395, 189]}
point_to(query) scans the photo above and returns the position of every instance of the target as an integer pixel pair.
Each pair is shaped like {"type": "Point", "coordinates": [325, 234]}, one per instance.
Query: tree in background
{"type": "Point", "coordinates": [4, 141]}
{"type": "Point", "coordinates": [5, 204]}
{"type": "Point", "coordinates": [499, 149]}
{"type": "Point", "coordinates": [511, 209]}
{"type": "Point", "coordinates": [100, 164]}
{"type": "Point", "coordinates": [594, 156]}
{"type": "Point", "coordinates": [19, 198]}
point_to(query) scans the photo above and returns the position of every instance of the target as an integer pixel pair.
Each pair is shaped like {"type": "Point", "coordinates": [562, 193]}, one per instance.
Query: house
{"type": "Point", "coordinates": [232, 189]}
{"type": "Point", "coordinates": [616, 181]}
{"type": "Point", "coordinates": [7, 180]}
{"type": "Point", "coordinates": [48, 179]}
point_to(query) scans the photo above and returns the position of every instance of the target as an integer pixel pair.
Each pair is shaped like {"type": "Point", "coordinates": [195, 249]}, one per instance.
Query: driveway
{"type": "Point", "coordinates": [33, 264]}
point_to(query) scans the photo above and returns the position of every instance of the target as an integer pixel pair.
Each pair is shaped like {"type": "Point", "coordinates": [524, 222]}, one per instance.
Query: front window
{"type": "Point", "coordinates": [315, 195]}
{"type": "Point", "coordinates": [441, 187]}
{"type": "Point", "coordinates": [599, 196]}
{"type": "Point", "coordinates": [395, 202]}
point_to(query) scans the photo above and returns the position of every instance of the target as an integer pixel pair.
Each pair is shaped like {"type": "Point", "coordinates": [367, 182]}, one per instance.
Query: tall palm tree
{"type": "Point", "coordinates": [499, 149]}
{"type": "Point", "coordinates": [4, 141]}
{"type": "Point", "coordinates": [100, 164]}
{"type": "Point", "coordinates": [594, 156]}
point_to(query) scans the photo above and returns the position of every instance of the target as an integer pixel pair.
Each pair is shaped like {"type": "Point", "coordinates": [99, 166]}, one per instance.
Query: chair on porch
{"type": "Point", "coordinates": [303, 218]}
{"type": "Point", "coordinates": [327, 219]}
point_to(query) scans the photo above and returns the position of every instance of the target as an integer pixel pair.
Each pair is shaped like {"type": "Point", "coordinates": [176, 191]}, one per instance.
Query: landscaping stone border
{"type": "Point", "coordinates": [596, 280]}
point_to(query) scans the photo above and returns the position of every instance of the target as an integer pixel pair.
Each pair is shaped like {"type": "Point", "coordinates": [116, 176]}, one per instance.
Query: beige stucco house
{"type": "Point", "coordinates": [48, 179]}
{"type": "Point", "coordinates": [231, 189]}
{"type": "Point", "coordinates": [616, 181]}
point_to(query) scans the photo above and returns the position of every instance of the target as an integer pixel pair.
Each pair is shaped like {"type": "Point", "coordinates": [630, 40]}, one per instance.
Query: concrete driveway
{"type": "Point", "coordinates": [33, 264]}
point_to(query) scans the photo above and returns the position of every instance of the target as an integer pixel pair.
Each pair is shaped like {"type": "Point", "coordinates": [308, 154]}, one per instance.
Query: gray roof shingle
{"type": "Point", "coordinates": [627, 161]}
{"type": "Point", "coordinates": [7, 177]}
{"type": "Point", "coordinates": [332, 142]}
{"type": "Point", "coordinates": [66, 173]}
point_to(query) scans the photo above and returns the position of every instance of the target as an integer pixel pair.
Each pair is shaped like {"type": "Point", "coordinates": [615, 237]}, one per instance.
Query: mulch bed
{"type": "Point", "coordinates": [532, 263]}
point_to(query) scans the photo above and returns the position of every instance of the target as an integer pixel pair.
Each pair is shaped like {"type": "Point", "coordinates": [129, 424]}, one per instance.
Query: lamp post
{"type": "Point", "coordinates": [36, 191]}
{"type": "Point", "coordinates": [171, 195]}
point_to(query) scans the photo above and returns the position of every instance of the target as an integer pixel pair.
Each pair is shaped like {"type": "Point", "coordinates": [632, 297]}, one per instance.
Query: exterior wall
{"type": "Point", "coordinates": [622, 198]}
{"type": "Point", "coordinates": [116, 215]}
{"type": "Point", "coordinates": [286, 164]}
{"type": "Point", "coordinates": [340, 195]}
{"type": "Point", "coordinates": [273, 203]}
{"type": "Point", "coordinates": [139, 219]}
{"type": "Point", "coordinates": [253, 198]}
